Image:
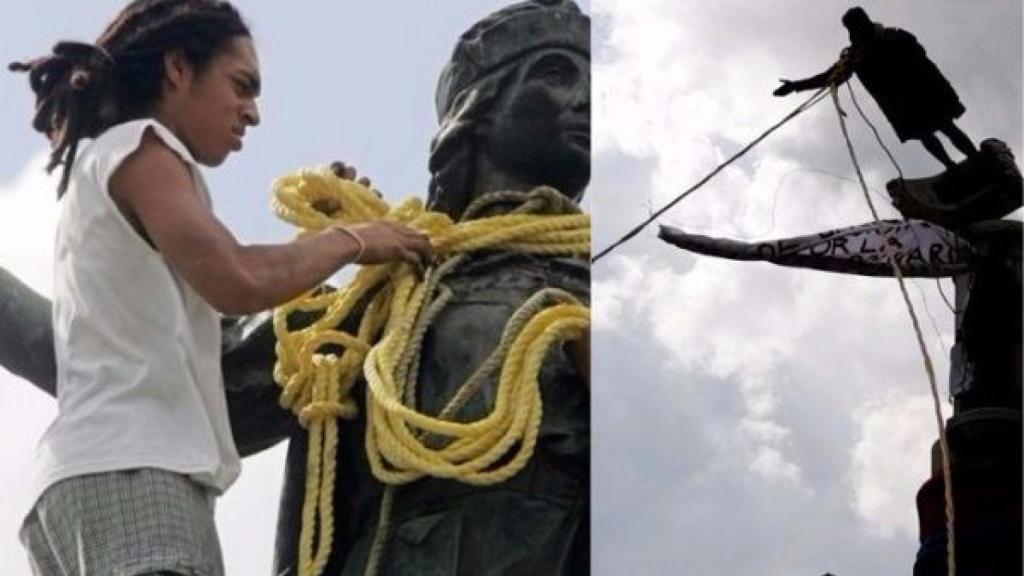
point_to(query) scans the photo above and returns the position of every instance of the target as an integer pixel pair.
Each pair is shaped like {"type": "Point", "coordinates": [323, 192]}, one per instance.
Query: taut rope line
{"type": "Point", "coordinates": [817, 97]}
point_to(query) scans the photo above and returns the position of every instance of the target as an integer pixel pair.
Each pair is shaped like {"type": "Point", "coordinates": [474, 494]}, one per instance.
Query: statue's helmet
{"type": "Point", "coordinates": [855, 16]}
{"type": "Point", "coordinates": [858, 23]}
{"type": "Point", "coordinates": [485, 56]}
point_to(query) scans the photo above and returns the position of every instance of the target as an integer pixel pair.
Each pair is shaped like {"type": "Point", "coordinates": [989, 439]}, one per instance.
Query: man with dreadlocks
{"type": "Point", "coordinates": [894, 68]}
{"type": "Point", "coordinates": [127, 473]}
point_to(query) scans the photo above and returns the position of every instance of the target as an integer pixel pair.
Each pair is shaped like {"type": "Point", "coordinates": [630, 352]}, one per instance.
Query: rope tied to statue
{"type": "Point", "coordinates": [402, 443]}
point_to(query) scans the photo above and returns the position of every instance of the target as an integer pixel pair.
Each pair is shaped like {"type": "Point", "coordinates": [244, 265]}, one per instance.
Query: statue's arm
{"type": "Point", "coordinates": [257, 421]}
{"type": "Point", "coordinates": [247, 360]}
{"type": "Point", "coordinates": [814, 82]}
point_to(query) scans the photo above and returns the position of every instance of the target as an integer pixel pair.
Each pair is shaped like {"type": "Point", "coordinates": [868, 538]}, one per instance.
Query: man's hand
{"type": "Point", "coordinates": [383, 242]}
{"type": "Point", "coordinates": [785, 89]}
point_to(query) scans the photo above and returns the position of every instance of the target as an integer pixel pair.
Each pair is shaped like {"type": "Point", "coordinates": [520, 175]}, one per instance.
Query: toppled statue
{"type": "Point", "coordinates": [910, 90]}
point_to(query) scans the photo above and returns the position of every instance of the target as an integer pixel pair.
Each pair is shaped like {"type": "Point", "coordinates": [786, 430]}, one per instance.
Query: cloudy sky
{"type": "Point", "coordinates": [341, 80]}
{"type": "Point", "coordinates": [752, 419]}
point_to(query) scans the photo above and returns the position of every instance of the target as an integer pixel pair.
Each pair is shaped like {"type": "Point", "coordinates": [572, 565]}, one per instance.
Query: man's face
{"type": "Point", "coordinates": [216, 105]}
{"type": "Point", "coordinates": [540, 129]}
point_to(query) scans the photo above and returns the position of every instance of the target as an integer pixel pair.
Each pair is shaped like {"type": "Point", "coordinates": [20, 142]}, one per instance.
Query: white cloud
{"type": "Point", "coordinates": [616, 298]}
{"type": "Point", "coordinates": [891, 460]}
{"type": "Point", "coordinates": [701, 319]}
{"type": "Point", "coordinates": [766, 440]}
{"type": "Point", "coordinates": [772, 465]}
{"type": "Point", "coordinates": [28, 216]}
{"type": "Point", "coordinates": [247, 513]}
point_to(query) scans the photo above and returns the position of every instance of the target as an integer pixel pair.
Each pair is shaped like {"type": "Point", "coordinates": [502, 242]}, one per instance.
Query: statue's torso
{"type": "Point", "coordinates": [534, 523]}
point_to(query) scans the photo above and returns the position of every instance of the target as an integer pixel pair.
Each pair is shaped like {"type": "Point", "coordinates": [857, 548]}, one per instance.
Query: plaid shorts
{"type": "Point", "coordinates": [123, 523]}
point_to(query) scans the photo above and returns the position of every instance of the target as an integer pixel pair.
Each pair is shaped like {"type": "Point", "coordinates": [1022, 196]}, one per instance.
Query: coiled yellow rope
{"type": "Point", "coordinates": [402, 443]}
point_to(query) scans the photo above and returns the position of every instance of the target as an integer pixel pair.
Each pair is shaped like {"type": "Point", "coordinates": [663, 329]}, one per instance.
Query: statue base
{"type": "Point", "coordinates": [986, 467]}
{"type": "Point", "coordinates": [986, 186]}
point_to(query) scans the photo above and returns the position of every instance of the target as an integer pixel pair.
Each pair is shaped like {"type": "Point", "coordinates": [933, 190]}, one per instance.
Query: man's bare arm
{"type": "Point", "coordinates": [257, 420]}
{"type": "Point", "coordinates": [155, 190]}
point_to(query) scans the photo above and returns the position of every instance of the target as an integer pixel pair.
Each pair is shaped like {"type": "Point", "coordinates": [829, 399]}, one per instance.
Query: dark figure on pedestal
{"type": "Point", "coordinates": [911, 91]}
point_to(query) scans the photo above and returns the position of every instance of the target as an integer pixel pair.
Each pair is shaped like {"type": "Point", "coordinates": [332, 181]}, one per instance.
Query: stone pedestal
{"type": "Point", "coordinates": [985, 446]}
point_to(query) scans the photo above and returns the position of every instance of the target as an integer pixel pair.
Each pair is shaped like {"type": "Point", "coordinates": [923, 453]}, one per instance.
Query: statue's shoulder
{"type": "Point", "coordinates": [520, 273]}
{"type": "Point", "coordinates": [897, 36]}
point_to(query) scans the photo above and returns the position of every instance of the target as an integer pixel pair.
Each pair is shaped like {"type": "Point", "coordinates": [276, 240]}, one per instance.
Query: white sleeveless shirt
{"type": "Point", "coordinates": [138, 351]}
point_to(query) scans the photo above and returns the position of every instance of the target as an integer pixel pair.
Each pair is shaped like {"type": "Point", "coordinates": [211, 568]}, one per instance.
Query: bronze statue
{"type": "Point", "coordinates": [894, 68]}
{"type": "Point", "coordinates": [514, 111]}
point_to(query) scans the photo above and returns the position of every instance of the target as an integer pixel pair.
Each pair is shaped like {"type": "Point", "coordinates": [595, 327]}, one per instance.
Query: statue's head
{"type": "Point", "coordinates": [858, 24]}
{"type": "Point", "coordinates": [515, 99]}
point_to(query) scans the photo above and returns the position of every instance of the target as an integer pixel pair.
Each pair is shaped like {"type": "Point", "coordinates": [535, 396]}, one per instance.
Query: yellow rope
{"type": "Point", "coordinates": [402, 443]}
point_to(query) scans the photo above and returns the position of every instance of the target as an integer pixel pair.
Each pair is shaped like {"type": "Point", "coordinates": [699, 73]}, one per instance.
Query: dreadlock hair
{"type": "Point", "coordinates": [83, 89]}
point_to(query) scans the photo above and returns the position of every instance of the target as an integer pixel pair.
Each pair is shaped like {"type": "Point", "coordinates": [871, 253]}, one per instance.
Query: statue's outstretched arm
{"type": "Point", "coordinates": [26, 334]}
{"type": "Point", "coordinates": [814, 82]}
{"type": "Point", "coordinates": [257, 421]}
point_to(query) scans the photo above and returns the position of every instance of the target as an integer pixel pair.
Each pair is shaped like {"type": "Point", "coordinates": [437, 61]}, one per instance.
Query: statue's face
{"type": "Point", "coordinates": [859, 26]}
{"type": "Point", "coordinates": [540, 124]}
